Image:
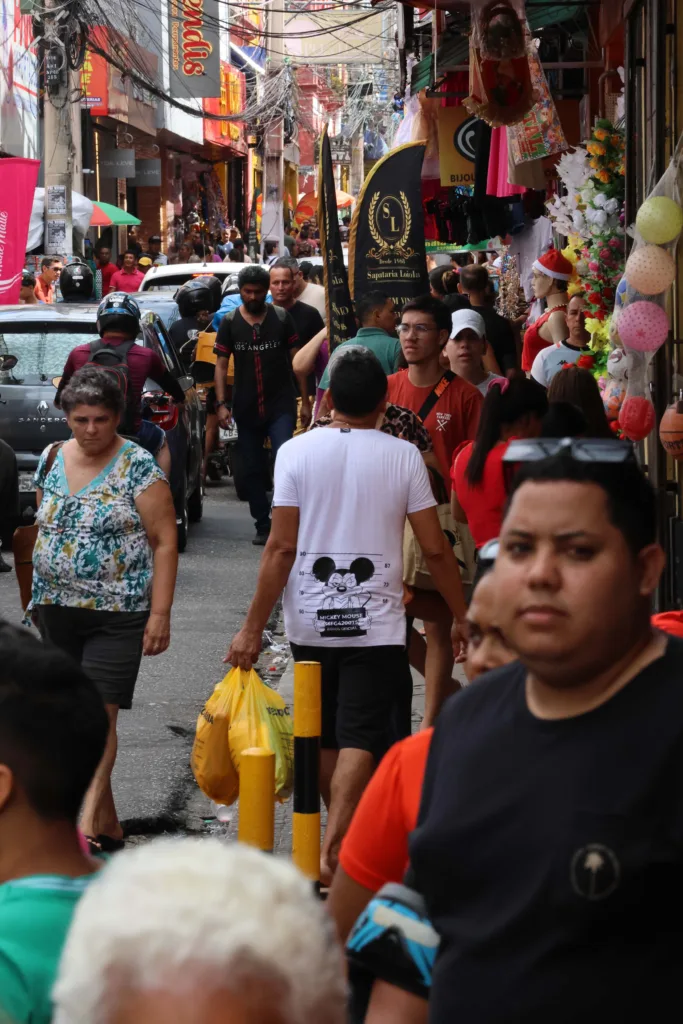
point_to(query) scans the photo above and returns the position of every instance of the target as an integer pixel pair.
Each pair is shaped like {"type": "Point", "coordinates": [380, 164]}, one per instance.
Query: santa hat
{"type": "Point", "coordinates": [554, 264]}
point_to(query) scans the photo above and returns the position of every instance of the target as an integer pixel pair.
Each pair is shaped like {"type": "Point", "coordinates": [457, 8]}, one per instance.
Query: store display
{"type": "Point", "coordinates": [643, 326]}
{"type": "Point", "coordinates": [671, 429]}
{"type": "Point", "coordinates": [650, 270]}
{"type": "Point", "coordinates": [659, 220]}
{"type": "Point", "coordinates": [501, 90]}
{"type": "Point", "coordinates": [637, 417]}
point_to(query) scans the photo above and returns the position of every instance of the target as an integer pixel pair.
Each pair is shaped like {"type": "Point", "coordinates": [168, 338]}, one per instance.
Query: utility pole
{"type": "Point", "coordinates": [272, 223]}
{"type": "Point", "coordinates": [357, 161]}
{"type": "Point", "coordinates": [57, 141]}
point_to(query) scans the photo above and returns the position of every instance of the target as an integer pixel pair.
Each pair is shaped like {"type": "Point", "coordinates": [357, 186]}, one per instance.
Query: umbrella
{"type": "Point", "coordinates": [307, 208]}
{"type": "Point", "coordinates": [104, 214]}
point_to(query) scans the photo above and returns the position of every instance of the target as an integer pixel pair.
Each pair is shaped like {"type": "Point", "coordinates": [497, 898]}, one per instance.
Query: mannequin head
{"type": "Point", "coordinates": [544, 285]}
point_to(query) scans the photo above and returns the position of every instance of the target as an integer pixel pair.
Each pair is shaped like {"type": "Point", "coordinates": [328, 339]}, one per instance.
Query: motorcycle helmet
{"type": "Point", "coordinates": [76, 282]}
{"type": "Point", "coordinates": [118, 312]}
{"type": "Point", "coordinates": [199, 293]}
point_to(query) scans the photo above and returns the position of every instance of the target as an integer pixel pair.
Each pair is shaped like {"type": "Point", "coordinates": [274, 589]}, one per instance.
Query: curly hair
{"type": "Point", "coordinates": [91, 386]}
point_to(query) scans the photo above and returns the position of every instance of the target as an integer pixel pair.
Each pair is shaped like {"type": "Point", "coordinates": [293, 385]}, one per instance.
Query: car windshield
{"type": "Point", "coordinates": [41, 351]}
{"type": "Point", "coordinates": [169, 283]}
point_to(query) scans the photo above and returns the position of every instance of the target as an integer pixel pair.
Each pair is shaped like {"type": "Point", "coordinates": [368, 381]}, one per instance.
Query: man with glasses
{"type": "Point", "coordinates": [50, 267]}
{"type": "Point", "coordinates": [263, 340]}
{"type": "Point", "coordinates": [447, 405]}
{"type": "Point", "coordinates": [549, 843]}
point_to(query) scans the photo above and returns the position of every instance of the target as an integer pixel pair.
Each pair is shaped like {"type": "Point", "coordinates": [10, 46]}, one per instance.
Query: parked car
{"type": "Point", "coordinates": [41, 337]}
{"type": "Point", "coordinates": [159, 302]}
{"type": "Point", "coordinates": [170, 277]}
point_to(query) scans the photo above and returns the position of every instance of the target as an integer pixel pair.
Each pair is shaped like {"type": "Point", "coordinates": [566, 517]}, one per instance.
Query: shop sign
{"type": "Point", "coordinates": [230, 101]}
{"type": "Point", "coordinates": [194, 48]}
{"type": "Point", "coordinates": [147, 172]}
{"type": "Point", "coordinates": [340, 150]}
{"type": "Point", "coordinates": [456, 146]}
{"type": "Point", "coordinates": [117, 163]}
{"type": "Point", "coordinates": [95, 84]}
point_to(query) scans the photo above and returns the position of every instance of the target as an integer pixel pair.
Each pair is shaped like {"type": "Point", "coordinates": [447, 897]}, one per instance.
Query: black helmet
{"type": "Point", "coordinates": [76, 282]}
{"type": "Point", "coordinates": [118, 312]}
{"type": "Point", "coordinates": [199, 293]}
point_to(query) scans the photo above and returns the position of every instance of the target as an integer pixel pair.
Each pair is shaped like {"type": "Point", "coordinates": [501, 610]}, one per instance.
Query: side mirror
{"type": "Point", "coordinates": [8, 362]}
{"type": "Point", "coordinates": [186, 383]}
{"type": "Point", "coordinates": [56, 381]}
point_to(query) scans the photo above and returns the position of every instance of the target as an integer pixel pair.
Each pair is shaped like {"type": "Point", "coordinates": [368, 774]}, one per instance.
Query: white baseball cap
{"type": "Point", "coordinates": [463, 318]}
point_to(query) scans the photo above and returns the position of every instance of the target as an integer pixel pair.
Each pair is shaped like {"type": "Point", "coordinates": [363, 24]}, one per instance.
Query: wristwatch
{"type": "Point", "coordinates": [219, 404]}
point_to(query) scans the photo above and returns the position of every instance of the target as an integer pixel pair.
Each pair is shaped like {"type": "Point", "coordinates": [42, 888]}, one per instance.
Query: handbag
{"type": "Point", "coordinates": [24, 540]}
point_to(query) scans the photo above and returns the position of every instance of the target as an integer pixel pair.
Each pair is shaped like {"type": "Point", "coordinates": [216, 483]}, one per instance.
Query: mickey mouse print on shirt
{"type": "Point", "coordinates": [343, 611]}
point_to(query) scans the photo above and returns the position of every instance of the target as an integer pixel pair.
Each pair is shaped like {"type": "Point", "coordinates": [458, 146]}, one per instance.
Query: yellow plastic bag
{"type": "Point", "coordinates": [241, 712]}
{"type": "Point", "coordinates": [211, 760]}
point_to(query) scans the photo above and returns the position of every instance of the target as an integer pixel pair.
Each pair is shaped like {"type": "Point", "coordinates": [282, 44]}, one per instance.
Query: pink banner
{"type": "Point", "coordinates": [18, 177]}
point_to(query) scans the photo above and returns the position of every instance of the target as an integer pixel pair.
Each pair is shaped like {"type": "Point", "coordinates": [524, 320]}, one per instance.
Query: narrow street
{"type": "Point", "coordinates": [153, 784]}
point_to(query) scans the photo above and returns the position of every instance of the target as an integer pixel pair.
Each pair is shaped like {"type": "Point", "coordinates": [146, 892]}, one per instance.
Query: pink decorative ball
{"type": "Point", "coordinates": [637, 417]}
{"type": "Point", "coordinates": [643, 326]}
{"type": "Point", "coordinates": [650, 270]}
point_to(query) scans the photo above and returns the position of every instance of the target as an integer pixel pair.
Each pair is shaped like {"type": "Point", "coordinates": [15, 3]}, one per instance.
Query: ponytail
{"type": "Point", "coordinates": [506, 402]}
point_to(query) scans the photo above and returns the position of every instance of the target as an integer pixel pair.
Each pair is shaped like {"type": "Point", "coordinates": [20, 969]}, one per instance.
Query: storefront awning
{"type": "Point", "coordinates": [244, 59]}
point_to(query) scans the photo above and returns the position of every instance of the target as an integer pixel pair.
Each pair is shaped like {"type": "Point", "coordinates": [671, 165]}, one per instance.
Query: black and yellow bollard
{"type": "Point", "coordinates": [257, 798]}
{"type": "Point", "coordinates": [307, 725]}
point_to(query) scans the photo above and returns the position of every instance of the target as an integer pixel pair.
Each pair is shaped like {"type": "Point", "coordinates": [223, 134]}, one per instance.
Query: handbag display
{"type": "Point", "coordinates": [24, 540]}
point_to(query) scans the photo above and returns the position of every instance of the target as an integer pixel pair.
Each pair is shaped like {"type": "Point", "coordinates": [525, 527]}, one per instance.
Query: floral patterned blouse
{"type": "Point", "coordinates": [92, 550]}
{"type": "Point", "coordinates": [398, 422]}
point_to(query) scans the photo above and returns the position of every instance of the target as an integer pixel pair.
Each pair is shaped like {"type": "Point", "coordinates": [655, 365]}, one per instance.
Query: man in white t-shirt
{"type": "Point", "coordinates": [342, 494]}
{"type": "Point", "coordinates": [550, 360]}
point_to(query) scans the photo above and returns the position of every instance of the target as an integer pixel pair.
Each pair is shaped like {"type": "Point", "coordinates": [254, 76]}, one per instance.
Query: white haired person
{"type": "Point", "coordinates": [194, 930]}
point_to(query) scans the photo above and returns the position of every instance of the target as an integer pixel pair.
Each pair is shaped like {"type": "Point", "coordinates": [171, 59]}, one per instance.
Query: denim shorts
{"type": "Point", "coordinates": [151, 437]}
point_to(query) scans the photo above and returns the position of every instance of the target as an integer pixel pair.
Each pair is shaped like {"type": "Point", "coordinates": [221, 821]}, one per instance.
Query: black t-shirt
{"type": "Point", "coordinates": [307, 320]}
{"type": "Point", "coordinates": [178, 332]}
{"type": "Point", "coordinates": [264, 382]}
{"type": "Point", "coordinates": [550, 854]}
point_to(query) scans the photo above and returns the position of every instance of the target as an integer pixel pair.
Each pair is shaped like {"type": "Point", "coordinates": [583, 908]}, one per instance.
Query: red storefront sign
{"type": "Point", "coordinates": [95, 77]}
{"type": "Point", "coordinates": [231, 101]}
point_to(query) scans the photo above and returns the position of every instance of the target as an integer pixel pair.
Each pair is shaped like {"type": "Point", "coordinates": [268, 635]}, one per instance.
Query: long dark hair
{"type": "Point", "coordinates": [506, 402]}
{"type": "Point", "coordinates": [578, 386]}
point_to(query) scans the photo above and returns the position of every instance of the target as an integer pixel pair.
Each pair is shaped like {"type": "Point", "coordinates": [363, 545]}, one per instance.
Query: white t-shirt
{"type": "Point", "coordinates": [354, 489]}
{"type": "Point", "coordinates": [314, 295]}
{"type": "Point", "coordinates": [550, 361]}
{"type": "Point", "coordinates": [484, 386]}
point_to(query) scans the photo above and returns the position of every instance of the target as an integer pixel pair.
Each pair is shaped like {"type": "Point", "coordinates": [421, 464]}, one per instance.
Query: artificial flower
{"type": "Point", "coordinates": [586, 362]}
{"type": "Point", "coordinates": [604, 177]}
{"type": "Point", "coordinates": [601, 134]}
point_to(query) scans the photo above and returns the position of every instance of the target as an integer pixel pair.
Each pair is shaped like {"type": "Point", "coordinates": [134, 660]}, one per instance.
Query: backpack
{"type": "Point", "coordinates": [114, 359]}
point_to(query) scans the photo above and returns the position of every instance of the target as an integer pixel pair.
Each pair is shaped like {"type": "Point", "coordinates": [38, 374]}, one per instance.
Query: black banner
{"type": "Point", "coordinates": [252, 236]}
{"type": "Point", "coordinates": [341, 323]}
{"type": "Point", "coordinates": [387, 240]}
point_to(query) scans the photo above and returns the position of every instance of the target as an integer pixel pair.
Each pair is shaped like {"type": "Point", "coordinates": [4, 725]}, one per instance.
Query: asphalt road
{"type": "Point", "coordinates": [154, 788]}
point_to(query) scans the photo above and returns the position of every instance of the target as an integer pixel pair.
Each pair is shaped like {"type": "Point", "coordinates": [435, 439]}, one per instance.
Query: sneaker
{"type": "Point", "coordinates": [262, 535]}
{"type": "Point", "coordinates": [4, 566]}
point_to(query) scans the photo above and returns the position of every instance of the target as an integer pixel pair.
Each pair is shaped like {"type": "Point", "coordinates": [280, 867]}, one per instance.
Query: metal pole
{"type": "Point", "coordinates": [257, 798]}
{"type": "Point", "coordinates": [307, 726]}
{"type": "Point", "coordinates": [58, 143]}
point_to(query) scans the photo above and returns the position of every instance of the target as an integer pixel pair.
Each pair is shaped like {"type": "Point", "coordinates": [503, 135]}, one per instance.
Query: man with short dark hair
{"type": "Point", "coordinates": [128, 279]}
{"type": "Point", "coordinates": [343, 571]}
{"type": "Point", "coordinates": [474, 281]}
{"type": "Point", "coordinates": [377, 331]}
{"type": "Point", "coordinates": [270, 252]}
{"type": "Point", "coordinates": [50, 269]}
{"type": "Point", "coordinates": [553, 358]}
{"type": "Point", "coordinates": [307, 319]}
{"type": "Point", "coordinates": [27, 292]}
{"type": "Point", "coordinates": [308, 292]}
{"type": "Point", "coordinates": [158, 258]}
{"type": "Point", "coordinates": [105, 268]}
{"type": "Point", "coordinates": [552, 808]}
{"type": "Point", "coordinates": [53, 729]}
{"type": "Point", "coordinates": [263, 340]}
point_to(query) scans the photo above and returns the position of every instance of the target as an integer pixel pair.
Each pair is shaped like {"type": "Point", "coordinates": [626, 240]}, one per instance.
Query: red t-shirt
{"type": "Point", "coordinates": [484, 504]}
{"type": "Point", "coordinates": [375, 848]}
{"type": "Point", "coordinates": [107, 272]}
{"type": "Point", "coordinates": [122, 281]}
{"type": "Point", "coordinates": [452, 420]}
{"type": "Point", "coordinates": [142, 363]}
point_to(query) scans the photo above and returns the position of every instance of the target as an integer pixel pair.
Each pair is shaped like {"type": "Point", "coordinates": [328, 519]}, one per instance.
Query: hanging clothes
{"type": "Point", "coordinates": [497, 182]}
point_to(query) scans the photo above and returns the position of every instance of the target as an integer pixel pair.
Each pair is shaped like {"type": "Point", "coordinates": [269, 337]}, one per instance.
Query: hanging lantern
{"type": "Point", "coordinates": [650, 270]}
{"type": "Point", "coordinates": [643, 326]}
{"type": "Point", "coordinates": [671, 429]}
{"type": "Point", "coordinates": [659, 220]}
{"type": "Point", "coordinates": [637, 417]}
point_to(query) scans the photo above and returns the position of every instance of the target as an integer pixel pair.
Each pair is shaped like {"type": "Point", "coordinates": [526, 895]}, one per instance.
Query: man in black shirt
{"type": "Point", "coordinates": [263, 340]}
{"type": "Point", "coordinates": [308, 320]}
{"type": "Point", "coordinates": [549, 847]}
{"type": "Point", "coordinates": [474, 281]}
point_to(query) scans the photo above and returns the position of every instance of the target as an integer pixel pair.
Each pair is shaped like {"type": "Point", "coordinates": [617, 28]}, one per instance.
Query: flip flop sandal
{"type": "Point", "coordinates": [103, 844]}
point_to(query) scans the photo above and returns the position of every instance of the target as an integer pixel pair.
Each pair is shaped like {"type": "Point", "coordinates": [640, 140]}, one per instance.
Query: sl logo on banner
{"type": "Point", "coordinates": [390, 224]}
{"type": "Point", "coordinates": [456, 146]}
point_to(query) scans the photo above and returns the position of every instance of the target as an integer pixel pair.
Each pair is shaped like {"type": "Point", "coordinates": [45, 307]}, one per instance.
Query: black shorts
{"type": "Point", "coordinates": [107, 646]}
{"type": "Point", "coordinates": [366, 695]}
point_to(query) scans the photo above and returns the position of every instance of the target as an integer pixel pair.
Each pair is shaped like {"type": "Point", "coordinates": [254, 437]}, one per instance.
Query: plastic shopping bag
{"type": "Point", "coordinates": [211, 760]}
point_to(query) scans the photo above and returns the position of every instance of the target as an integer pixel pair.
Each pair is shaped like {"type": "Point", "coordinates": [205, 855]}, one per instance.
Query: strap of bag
{"type": "Point", "coordinates": [52, 455]}
{"type": "Point", "coordinates": [435, 394]}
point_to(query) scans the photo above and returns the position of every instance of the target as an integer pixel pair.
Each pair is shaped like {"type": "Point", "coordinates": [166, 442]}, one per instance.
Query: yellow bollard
{"type": "Point", "coordinates": [307, 725]}
{"type": "Point", "coordinates": [257, 798]}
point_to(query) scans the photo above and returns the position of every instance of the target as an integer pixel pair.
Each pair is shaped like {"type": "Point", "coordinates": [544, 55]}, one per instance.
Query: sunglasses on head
{"type": "Point", "coordinates": [581, 449]}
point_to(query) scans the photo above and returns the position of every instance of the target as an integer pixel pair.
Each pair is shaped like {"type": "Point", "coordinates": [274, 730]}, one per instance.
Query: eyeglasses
{"type": "Point", "coordinates": [582, 449]}
{"type": "Point", "coordinates": [418, 328]}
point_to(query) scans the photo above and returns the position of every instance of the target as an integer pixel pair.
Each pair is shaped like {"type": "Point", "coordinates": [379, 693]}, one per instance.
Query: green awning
{"type": "Point", "coordinates": [422, 74]}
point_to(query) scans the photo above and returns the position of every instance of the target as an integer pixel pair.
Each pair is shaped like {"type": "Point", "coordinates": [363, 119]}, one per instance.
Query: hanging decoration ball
{"type": "Point", "coordinates": [643, 326]}
{"type": "Point", "coordinates": [659, 220]}
{"type": "Point", "coordinates": [671, 430]}
{"type": "Point", "coordinates": [650, 270]}
{"type": "Point", "coordinates": [624, 294]}
{"type": "Point", "coordinates": [613, 398]}
{"type": "Point", "coordinates": [637, 417]}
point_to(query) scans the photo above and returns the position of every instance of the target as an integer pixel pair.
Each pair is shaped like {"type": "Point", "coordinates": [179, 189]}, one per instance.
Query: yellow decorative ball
{"type": "Point", "coordinates": [659, 220]}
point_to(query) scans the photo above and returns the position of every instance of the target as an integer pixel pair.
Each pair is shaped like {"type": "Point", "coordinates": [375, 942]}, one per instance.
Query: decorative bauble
{"type": "Point", "coordinates": [637, 417]}
{"type": "Point", "coordinates": [643, 326]}
{"type": "Point", "coordinates": [671, 430]}
{"type": "Point", "coordinates": [659, 220]}
{"type": "Point", "coordinates": [613, 398]}
{"type": "Point", "coordinates": [618, 364]}
{"type": "Point", "coordinates": [624, 294]}
{"type": "Point", "coordinates": [650, 270]}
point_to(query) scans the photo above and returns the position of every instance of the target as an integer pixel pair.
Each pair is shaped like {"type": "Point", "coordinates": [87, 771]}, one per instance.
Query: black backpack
{"type": "Point", "coordinates": [114, 359]}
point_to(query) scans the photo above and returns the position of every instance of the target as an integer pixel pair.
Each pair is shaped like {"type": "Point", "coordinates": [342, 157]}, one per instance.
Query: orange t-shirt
{"type": "Point", "coordinates": [44, 292]}
{"type": "Point", "coordinates": [375, 848]}
{"type": "Point", "coordinates": [452, 420]}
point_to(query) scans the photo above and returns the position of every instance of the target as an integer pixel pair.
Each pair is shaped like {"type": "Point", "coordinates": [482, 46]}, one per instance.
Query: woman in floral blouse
{"type": "Point", "coordinates": [104, 563]}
